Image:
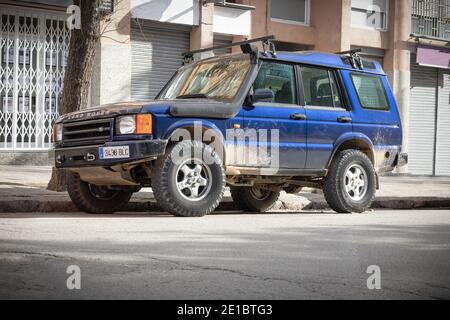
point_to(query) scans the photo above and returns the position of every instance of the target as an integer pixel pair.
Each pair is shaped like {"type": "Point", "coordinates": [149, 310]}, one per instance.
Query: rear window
{"type": "Point", "coordinates": [370, 92]}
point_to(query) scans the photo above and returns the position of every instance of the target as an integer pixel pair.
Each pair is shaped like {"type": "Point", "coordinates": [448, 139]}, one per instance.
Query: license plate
{"type": "Point", "coordinates": [114, 152]}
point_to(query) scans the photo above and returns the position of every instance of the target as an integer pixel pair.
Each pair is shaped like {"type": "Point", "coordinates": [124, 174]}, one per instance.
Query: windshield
{"type": "Point", "coordinates": [218, 80]}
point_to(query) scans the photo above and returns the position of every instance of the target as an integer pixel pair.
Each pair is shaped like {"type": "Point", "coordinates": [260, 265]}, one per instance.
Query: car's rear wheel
{"type": "Point", "coordinates": [189, 180]}
{"type": "Point", "coordinates": [254, 199]}
{"type": "Point", "coordinates": [351, 182]}
{"type": "Point", "coordinates": [95, 199]}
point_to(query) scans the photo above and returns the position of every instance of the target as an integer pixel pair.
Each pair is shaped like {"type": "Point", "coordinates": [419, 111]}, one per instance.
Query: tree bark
{"type": "Point", "coordinates": [78, 72]}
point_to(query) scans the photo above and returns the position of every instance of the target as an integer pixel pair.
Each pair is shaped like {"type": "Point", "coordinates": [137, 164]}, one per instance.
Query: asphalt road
{"type": "Point", "coordinates": [226, 256]}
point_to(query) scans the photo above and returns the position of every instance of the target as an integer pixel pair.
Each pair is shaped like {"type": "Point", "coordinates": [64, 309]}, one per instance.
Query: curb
{"type": "Point", "coordinates": [300, 204]}
{"type": "Point", "coordinates": [411, 203]}
{"type": "Point", "coordinates": [46, 206]}
{"type": "Point", "coordinates": [391, 203]}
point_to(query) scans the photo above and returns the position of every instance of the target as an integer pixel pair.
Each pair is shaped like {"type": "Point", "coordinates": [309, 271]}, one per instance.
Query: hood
{"type": "Point", "coordinates": [201, 108]}
{"type": "Point", "coordinates": [112, 110]}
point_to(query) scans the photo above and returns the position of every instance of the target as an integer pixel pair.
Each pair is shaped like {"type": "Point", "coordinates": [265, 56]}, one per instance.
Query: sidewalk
{"type": "Point", "coordinates": [22, 189]}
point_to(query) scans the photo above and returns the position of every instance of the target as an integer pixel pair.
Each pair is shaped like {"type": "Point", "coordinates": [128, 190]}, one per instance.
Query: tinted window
{"type": "Point", "coordinates": [320, 88]}
{"type": "Point", "coordinates": [370, 92]}
{"type": "Point", "coordinates": [293, 10]}
{"type": "Point", "coordinates": [280, 78]}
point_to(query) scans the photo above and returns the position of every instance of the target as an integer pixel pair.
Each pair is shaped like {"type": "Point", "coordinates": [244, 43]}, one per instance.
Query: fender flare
{"type": "Point", "coordinates": [355, 139]}
{"type": "Point", "coordinates": [205, 125]}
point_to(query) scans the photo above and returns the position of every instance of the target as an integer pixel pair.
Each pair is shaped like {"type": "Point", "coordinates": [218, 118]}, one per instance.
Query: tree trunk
{"type": "Point", "coordinates": [79, 70]}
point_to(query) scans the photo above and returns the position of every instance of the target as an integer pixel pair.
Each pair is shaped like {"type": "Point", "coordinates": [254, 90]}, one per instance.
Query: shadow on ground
{"type": "Point", "coordinates": [224, 258]}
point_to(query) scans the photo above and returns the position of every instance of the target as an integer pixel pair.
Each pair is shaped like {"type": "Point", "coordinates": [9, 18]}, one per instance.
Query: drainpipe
{"type": "Point", "coordinates": [397, 62]}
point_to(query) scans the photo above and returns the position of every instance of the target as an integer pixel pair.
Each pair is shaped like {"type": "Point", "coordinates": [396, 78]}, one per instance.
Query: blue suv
{"type": "Point", "coordinates": [259, 122]}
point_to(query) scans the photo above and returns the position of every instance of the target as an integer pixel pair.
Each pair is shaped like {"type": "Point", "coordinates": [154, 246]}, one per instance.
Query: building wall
{"type": "Point", "coordinates": [112, 70]}
{"type": "Point", "coordinates": [328, 28]}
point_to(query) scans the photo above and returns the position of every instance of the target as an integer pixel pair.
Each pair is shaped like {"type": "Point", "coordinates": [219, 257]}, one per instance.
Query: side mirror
{"type": "Point", "coordinates": [263, 95]}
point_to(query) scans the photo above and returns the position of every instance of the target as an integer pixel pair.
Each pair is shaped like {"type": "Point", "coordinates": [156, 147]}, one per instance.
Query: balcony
{"type": "Point", "coordinates": [184, 12]}
{"type": "Point", "coordinates": [431, 19]}
{"type": "Point", "coordinates": [232, 19]}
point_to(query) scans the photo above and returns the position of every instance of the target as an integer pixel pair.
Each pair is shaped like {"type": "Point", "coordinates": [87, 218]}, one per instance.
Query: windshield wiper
{"type": "Point", "coordinates": [193, 96]}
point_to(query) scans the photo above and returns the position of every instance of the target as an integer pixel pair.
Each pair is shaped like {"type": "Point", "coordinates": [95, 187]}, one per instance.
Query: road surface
{"type": "Point", "coordinates": [226, 256]}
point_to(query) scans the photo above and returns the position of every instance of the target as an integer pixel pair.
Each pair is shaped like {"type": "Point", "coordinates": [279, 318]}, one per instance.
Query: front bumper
{"type": "Point", "coordinates": [88, 156]}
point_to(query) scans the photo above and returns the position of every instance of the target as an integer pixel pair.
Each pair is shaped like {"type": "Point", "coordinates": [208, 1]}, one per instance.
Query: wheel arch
{"type": "Point", "coordinates": [215, 136]}
{"type": "Point", "coordinates": [357, 142]}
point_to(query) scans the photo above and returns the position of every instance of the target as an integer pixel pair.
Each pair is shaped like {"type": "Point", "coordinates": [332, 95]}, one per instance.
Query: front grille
{"type": "Point", "coordinates": [87, 132]}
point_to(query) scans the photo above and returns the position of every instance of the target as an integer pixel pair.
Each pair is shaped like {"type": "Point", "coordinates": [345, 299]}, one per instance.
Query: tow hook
{"type": "Point", "coordinates": [90, 157]}
{"type": "Point", "coordinates": [60, 159]}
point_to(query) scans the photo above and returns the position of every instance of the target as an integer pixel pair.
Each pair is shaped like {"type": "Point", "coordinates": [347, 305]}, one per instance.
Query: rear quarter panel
{"type": "Point", "coordinates": [382, 128]}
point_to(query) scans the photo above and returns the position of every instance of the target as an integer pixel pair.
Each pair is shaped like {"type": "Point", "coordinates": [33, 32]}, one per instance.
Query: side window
{"type": "Point", "coordinates": [320, 87]}
{"type": "Point", "coordinates": [370, 92]}
{"type": "Point", "coordinates": [280, 78]}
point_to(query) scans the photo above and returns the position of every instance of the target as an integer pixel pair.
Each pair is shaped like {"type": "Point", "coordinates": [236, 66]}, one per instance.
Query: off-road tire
{"type": "Point", "coordinates": [334, 184]}
{"type": "Point", "coordinates": [164, 181]}
{"type": "Point", "coordinates": [81, 195]}
{"type": "Point", "coordinates": [245, 200]}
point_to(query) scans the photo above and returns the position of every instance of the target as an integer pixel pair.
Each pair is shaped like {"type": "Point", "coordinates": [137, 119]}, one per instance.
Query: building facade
{"type": "Point", "coordinates": [142, 48]}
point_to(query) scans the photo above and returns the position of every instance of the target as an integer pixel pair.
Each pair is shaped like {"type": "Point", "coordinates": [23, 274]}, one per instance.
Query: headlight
{"type": "Point", "coordinates": [126, 125]}
{"type": "Point", "coordinates": [57, 133]}
{"type": "Point", "coordinates": [135, 124]}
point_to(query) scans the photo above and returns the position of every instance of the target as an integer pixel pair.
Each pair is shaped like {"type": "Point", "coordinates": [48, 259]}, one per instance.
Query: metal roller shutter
{"type": "Point", "coordinates": [443, 126]}
{"type": "Point", "coordinates": [222, 41]}
{"type": "Point", "coordinates": [156, 55]}
{"type": "Point", "coordinates": [422, 119]}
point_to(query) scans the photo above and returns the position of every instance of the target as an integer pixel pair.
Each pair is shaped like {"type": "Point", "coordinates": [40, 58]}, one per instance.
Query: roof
{"type": "Point", "coordinates": [325, 59]}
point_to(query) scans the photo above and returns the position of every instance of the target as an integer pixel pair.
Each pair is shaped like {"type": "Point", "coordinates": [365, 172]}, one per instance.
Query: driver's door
{"type": "Point", "coordinates": [283, 118]}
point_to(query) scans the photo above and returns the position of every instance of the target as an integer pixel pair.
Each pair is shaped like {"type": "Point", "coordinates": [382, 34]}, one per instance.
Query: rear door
{"type": "Point", "coordinates": [327, 116]}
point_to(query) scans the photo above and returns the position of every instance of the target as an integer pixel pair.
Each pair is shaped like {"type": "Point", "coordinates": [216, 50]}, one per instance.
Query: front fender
{"type": "Point", "coordinates": [191, 123]}
{"type": "Point", "coordinates": [204, 131]}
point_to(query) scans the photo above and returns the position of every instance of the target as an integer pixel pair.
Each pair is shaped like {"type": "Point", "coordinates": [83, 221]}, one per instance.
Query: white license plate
{"type": "Point", "coordinates": [114, 152]}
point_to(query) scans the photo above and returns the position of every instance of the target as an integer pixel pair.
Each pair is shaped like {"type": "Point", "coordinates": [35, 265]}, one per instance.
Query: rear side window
{"type": "Point", "coordinates": [370, 92]}
{"type": "Point", "coordinates": [320, 87]}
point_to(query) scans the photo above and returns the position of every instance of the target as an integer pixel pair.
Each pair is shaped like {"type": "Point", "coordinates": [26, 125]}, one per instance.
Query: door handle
{"type": "Point", "coordinates": [345, 120]}
{"type": "Point", "coordinates": [298, 116]}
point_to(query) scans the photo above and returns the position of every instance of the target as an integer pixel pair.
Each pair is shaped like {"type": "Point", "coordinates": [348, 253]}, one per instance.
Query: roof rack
{"type": "Point", "coordinates": [246, 47]}
{"type": "Point", "coordinates": [353, 57]}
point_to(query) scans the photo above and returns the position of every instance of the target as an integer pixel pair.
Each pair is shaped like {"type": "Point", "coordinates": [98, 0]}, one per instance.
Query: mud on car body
{"type": "Point", "coordinates": [335, 117]}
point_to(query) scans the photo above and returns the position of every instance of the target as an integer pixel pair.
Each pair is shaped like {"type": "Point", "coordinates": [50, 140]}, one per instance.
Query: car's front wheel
{"type": "Point", "coordinates": [189, 180]}
{"type": "Point", "coordinates": [254, 199]}
{"type": "Point", "coordinates": [351, 182]}
{"type": "Point", "coordinates": [95, 199]}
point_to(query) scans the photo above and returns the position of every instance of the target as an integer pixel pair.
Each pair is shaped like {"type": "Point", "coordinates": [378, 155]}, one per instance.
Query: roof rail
{"type": "Point", "coordinates": [353, 51]}
{"type": "Point", "coordinates": [245, 47]}
{"type": "Point", "coordinates": [353, 57]}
